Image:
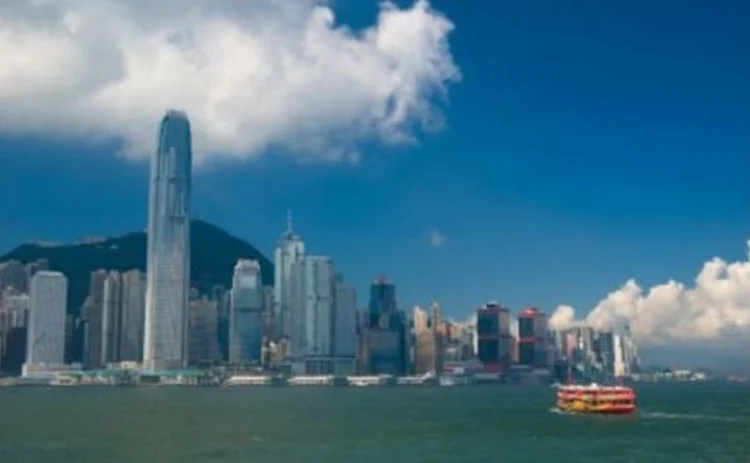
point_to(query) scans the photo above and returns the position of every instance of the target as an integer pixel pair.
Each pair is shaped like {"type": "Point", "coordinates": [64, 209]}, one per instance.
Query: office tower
{"type": "Point", "coordinates": [630, 353]}
{"type": "Point", "coordinates": [620, 370]}
{"type": "Point", "coordinates": [382, 302]}
{"type": "Point", "coordinates": [345, 319]}
{"type": "Point", "coordinates": [93, 314]}
{"type": "Point", "coordinates": [268, 305]}
{"type": "Point", "coordinates": [494, 340]}
{"type": "Point", "coordinates": [312, 283]}
{"type": "Point", "coordinates": [168, 258]}
{"type": "Point", "coordinates": [246, 313]}
{"type": "Point", "coordinates": [419, 320]}
{"type": "Point", "coordinates": [12, 275]}
{"type": "Point", "coordinates": [223, 300]}
{"type": "Point", "coordinates": [605, 353]}
{"type": "Point", "coordinates": [290, 249]}
{"type": "Point", "coordinates": [132, 316]}
{"type": "Point", "coordinates": [46, 335]}
{"type": "Point", "coordinates": [385, 332]}
{"type": "Point", "coordinates": [112, 317]}
{"type": "Point", "coordinates": [30, 270]}
{"type": "Point", "coordinates": [14, 310]}
{"type": "Point", "coordinates": [203, 339]}
{"type": "Point", "coordinates": [533, 341]}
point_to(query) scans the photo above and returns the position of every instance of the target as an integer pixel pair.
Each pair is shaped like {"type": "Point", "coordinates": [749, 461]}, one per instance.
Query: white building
{"type": "Point", "coordinates": [312, 307]}
{"type": "Point", "coordinates": [246, 313]}
{"type": "Point", "coordinates": [45, 344]}
{"type": "Point", "coordinates": [290, 250]}
{"type": "Point", "coordinates": [419, 319]}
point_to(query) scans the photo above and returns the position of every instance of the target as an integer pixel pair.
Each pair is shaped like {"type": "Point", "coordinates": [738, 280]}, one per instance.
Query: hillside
{"type": "Point", "coordinates": [214, 253]}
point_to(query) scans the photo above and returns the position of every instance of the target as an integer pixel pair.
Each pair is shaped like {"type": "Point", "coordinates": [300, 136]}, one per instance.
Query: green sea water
{"type": "Point", "coordinates": [675, 423]}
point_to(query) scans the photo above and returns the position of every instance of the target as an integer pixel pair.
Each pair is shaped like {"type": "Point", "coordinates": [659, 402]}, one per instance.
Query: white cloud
{"type": "Point", "coordinates": [715, 310]}
{"type": "Point", "coordinates": [436, 239]}
{"type": "Point", "coordinates": [250, 74]}
{"type": "Point", "coordinates": [563, 317]}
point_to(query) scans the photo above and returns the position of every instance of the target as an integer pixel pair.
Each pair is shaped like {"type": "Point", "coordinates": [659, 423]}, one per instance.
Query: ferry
{"type": "Point", "coordinates": [596, 399]}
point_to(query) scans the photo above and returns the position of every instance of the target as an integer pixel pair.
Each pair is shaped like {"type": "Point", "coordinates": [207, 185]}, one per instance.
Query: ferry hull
{"type": "Point", "coordinates": [589, 411]}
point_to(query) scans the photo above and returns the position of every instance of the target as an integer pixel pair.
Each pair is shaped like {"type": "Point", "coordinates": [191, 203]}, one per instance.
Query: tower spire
{"type": "Point", "coordinates": [289, 228]}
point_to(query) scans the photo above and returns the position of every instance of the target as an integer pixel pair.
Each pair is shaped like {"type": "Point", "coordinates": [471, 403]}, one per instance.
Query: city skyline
{"type": "Point", "coordinates": [572, 158]}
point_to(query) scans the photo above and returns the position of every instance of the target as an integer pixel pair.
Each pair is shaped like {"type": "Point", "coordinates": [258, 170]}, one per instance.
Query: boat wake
{"type": "Point", "coordinates": [686, 416]}
{"type": "Point", "coordinates": [557, 411]}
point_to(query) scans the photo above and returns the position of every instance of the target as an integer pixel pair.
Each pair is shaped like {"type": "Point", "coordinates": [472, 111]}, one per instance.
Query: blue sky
{"type": "Point", "coordinates": [584, 145]}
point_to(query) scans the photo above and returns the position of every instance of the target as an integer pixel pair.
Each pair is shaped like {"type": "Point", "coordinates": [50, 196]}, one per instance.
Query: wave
{"type": "Point", "coordinates": [687, 416]}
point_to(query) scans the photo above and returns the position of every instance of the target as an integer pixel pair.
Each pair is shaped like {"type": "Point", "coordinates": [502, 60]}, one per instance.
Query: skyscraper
{"type": "Point", "coordinates": [131, 329]}
{"type": "Point", "coordinates": [382, 303]}
{"type": "Point", "coordinates": [385, 350]}
{"type": "Point", "coordinates": [290, 249]}
{"type": "Point", "coordinates": [93, 313]}
{"type": "Point", "coordinates": [46, 336]}
{"type": "Point", "coordinates": [312, 306]}
{"type": "Point", "coordinates": [246, 313]}
{"type": "Point", "coordinates": [344, 319]}
{"type": "Point", "coordinates": [168, 259]}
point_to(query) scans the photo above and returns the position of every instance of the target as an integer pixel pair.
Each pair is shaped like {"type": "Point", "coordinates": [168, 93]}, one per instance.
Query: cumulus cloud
{"type": "Point", "coordinates": [251, 74]}
{"type": "Point", "coordinates": [436, 239]}
{"type": "Point", "coordinates": [563, 317]}
{"type": "Point", "coordinates": [715, 309]}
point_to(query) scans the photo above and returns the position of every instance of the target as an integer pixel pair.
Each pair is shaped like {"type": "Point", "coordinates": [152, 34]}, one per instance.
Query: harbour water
{"type": "Point", "coordinates": [695, 422]}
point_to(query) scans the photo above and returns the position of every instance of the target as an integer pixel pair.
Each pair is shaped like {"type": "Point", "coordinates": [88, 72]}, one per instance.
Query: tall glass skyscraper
{"type": "Point", "coordinates": [168, 259]}
{"type": "Point", "coordinates": [246, 319]}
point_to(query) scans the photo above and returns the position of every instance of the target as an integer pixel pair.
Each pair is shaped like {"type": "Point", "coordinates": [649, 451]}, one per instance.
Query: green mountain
{"type": "Point", "coordinates": [214, 253]}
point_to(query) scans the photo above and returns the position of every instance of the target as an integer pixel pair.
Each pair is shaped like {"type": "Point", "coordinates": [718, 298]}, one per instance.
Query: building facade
{"type": "Point", "coordinates": [290, 250]}
{"type": "Point", "coordinates": [533, 340]}
{"type": "Point", "coordinates": [246, 316]}
{"type": "Point", "coordinates": [46, 328]}
{"type": "Point", "coordinates": [132, 316]}
{"type": "Point", "coordinates": [312, 307]}
{"type": "Point", "coordinates": [345, 320]}
{"type": "Point", "coordinates": [494, 340]}
{"type": "Point", "coordinates": [203, 339]}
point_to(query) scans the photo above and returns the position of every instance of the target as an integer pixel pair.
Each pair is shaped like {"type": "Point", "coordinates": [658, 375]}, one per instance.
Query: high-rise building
{"type": "Point", "coordinates": [246, 313]}
{"type": "Point", "coordinates": [168, 258]}
{"type": "Point", "coordinates": [203, 339]}
{"type": "Point", "coordinates": [290, 249]}
{"type": "Point", "coordinates": [112, 319]}
{"type": "Point", "coordinates": [533, 340]}
{"type": "Point", "coordinates": [12, 275]}
{"type": "Point", "coordinates": [312, 307]}
{"type": "Point", "coordinates": [345, 319]}
{"type": "Point", "coordinates": [419, 319]}
{"type": "Point", "coordinates": [385, 343]}
{"type": "Point", "coordinates": [93, 314]}
{"type": "Point", "coordinates": [132, 316]}
{"type": "Point", "coordinates": [31, 268]}
{"type": "Point", "coordinates": [14, 310]}
{"type": "Point", "coordinates": [46, 331]}
{"type": "Point", "coordinates": [382, 302]}
{"type": "Point", "coordinates": [494, 340]}
{"type": "Point", "coordinates": [223, 300]}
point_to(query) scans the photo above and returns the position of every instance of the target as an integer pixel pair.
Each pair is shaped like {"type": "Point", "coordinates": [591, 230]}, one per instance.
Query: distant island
{"type": "Point", "coordinates": [214, 252]}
